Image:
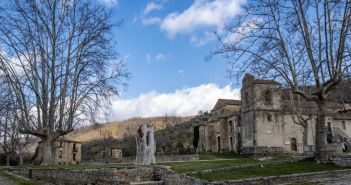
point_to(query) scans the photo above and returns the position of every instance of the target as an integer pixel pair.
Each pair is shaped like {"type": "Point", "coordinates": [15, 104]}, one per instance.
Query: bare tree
{"type": "Point", "coordinates": [296, 42]}
{"type": "Point", "coordinates": [60, 60]}
{"type": "Point", "coordinates": [12, 141]}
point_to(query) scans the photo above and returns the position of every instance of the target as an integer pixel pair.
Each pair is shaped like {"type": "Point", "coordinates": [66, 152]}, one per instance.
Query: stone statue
{"type": "Point", "coordinates": [145, 144]}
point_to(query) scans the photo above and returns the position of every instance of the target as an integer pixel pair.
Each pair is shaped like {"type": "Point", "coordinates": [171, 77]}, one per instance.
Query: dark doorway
{"type": "Point", "coordinates": [238, 149]}
{"type": "Point", "coordinates": [219, 143]}
{"type": "Point", "coordinates": [293, 144]}
{"type": "Point", "coordinates": [329, 133]}
{"type": "Point", "coordinates": [231, 142]}
{"type": "Point", "coordinates": [74, 156]}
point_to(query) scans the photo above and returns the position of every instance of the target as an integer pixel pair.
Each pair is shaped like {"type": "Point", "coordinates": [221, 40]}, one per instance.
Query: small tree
{"type": "Point", "coordinates": [296, 42]}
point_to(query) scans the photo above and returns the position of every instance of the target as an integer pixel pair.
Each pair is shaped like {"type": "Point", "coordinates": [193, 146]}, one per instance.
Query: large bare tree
{"type": "Point", "coordinates": [60, 60]}
{"type": "Point", "coordinates": [298, 43]}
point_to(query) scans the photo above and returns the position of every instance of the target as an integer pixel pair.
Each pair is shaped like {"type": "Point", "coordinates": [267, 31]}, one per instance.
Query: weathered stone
{"type": "Point", "coordinates": [146, 146]}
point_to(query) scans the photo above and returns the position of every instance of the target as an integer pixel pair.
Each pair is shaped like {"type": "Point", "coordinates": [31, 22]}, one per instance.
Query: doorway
{"type": "Point", "coordinates": [293, 144]}
{"type": "Point", "coordinates": [219, 143]}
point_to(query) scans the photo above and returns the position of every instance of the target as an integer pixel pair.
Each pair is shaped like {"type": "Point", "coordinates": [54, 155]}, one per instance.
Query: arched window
{"type": "Point", "coordinates": [268, 97]}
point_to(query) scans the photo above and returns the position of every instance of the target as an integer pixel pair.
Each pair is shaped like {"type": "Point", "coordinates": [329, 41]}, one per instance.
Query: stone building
{"type": "Point", "coordinates": [66, 151]}
{"type": "Point", "coordinates": [109, 153]}
{"type": "Point", "coordinates": [265, 121]}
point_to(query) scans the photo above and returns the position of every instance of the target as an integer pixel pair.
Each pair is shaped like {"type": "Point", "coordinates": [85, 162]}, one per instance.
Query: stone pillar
{"type": "Point", "coordinates": [224, 134]}
{"type": "Point", "coordinates": [145, 144]}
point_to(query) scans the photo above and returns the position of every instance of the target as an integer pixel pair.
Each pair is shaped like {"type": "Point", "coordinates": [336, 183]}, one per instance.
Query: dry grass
{"type": "Point", "coordinates": [119, 128]}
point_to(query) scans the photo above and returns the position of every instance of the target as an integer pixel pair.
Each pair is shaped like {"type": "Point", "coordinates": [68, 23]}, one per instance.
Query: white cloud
{"type": "Point", "coordinates": [158, 57]}
{"type": "Point", "coordinates": [150, 20]}
{"type": "Point", "coordinates": [181, 72]}
{"type": "Point", "coordinates": [183, 102]}
{"type": "Point", "coordinates": [151, 7]}
{"type": "Point", "coordinates": [109, 3]}
{"type": "Point", "coordinates": [202, 14]}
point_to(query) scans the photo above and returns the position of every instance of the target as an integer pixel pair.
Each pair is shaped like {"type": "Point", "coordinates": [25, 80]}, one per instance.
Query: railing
{"type": "Point", "coordinates": [341, 133]}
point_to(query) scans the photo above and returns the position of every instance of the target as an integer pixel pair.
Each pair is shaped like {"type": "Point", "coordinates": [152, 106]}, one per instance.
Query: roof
{"type": "Point", "coordinates": [223, 102]}
{"type": "Point", "coordinates": [65, 140]}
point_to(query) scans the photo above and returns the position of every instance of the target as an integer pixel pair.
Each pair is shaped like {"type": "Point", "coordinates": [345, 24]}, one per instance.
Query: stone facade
{"type": "Point", "coordinates": [109, 153]}
{"type": "Point", "coordinates": [66, 151]}
{"type": "Point", "coordinates": [264, 121]}
{"type": "Point", "coordinates": [219, 134]}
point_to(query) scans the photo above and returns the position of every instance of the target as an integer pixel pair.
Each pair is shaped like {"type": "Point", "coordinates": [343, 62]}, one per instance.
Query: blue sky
{"type": "Point", "coordinates": [164, 44]}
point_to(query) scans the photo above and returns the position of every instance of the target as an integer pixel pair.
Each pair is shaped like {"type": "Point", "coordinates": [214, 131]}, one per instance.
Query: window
{"type": "Point", "coordinates": [74, 148]}
{"type": "Point", "coordinates": [268, 97]}
{"type": "Point", "coordinates": [269, 117]}
{"type": "Point", "coordinates": [230, 126]}
{"type": "Point", "coordinates": [60, 154]}
{"type": "Point", "coordinates": [343, 125]}
{"type": "Point", "coordinates": [61, 143]}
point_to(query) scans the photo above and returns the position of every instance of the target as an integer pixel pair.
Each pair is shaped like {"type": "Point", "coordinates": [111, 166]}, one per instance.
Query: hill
{"type": "Point", "coordinates": [120, 129]}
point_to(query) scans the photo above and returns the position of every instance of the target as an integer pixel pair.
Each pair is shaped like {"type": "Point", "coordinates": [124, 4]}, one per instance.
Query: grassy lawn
{"type": "Point", "coordinates": [183, 167]}
{"type": "Point", "coordinates": [215, 156]}
{"type": "Point", "coordinates": [18, 180]}
{"type": "Point", "coordinates": [215, 161]}
{"type": "Point", "coordinates": [83, 166]}
{"type": "Point", "coordinates": [291, 168]}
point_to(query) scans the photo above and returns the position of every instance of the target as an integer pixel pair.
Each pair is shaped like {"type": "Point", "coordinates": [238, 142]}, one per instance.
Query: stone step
{"type": "Point", "coordinates": [148, 183]}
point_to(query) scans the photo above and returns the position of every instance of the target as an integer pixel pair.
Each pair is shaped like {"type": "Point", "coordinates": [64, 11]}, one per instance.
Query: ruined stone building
{"type": "Point", "coordinates": [266, 121]}
{"type": "Point", "coordinates": [108, 153]}
{"type": "Point", "coordinates": [66, 151]}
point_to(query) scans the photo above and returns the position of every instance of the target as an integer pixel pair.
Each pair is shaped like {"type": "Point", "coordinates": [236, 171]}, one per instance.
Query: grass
{"type": "Point", "coordinates": [215, 161]}
{"type": "Point", "coordinates": [18, 180]}
{"type": "Point", "coordinates": [215, 156]}
{"type": "Point", "coordinates": [304, 166]}
{"type": "Point", "coordinates": [83, 166]}
{"type": "Point", "coordinates": [183, 167]}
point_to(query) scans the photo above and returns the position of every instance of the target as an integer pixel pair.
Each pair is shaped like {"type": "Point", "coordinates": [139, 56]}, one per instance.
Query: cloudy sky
{"type": "Point", "coordinates": [164, 44]}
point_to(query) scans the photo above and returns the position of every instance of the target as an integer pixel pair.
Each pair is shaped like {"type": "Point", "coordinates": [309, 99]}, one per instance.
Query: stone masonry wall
{"type": "Point", "coordinates": [90, 176]}
{"type": "Point", "coordinates": [272, 180]}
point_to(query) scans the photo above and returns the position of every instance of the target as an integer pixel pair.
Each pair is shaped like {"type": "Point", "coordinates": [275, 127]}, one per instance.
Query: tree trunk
{"type": "Point", "coordinates": [7, 159]}
{"type": "Point", "coordinates": [306, 149]}
{"type": "Point", "coordinates": [321, 134]}
{"type": "Point", "coordinates": [47, 151]}
{"type": "Point", "coordinates": [20, 163]}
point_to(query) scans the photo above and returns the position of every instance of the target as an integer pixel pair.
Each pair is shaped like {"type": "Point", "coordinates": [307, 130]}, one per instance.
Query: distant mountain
{"type": "Point", "coordinates": [119, 129]}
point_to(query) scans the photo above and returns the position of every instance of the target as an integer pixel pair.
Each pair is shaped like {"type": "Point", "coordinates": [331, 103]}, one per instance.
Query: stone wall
{"type": "Point", "coordinates": [339, 160]}
{"type": "Point", "coordinates": [90, 176]}
{"type": "Point", "coordinates": [159, 158]}
{"type": "Point", "coordinates": [271, 180]}
{"type": "Point", "coordinates": [172, 178]}
{"type": "Point", "coordinates": [261, 150]}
